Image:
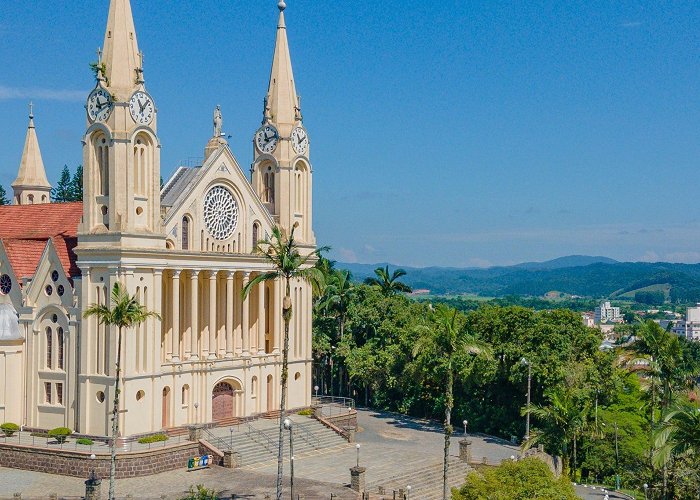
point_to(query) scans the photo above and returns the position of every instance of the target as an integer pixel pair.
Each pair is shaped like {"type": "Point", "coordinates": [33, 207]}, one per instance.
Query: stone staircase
{"type": "Point", "coordinates": [425, 482]}
{"type": "Point", "coordinates": [255, 443]}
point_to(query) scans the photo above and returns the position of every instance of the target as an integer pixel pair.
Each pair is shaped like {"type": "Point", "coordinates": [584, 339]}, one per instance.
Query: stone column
{"type": "Point", "coordinates": [465, 452]}
{"type": "Point", "coordinates": [93, 487]}
{"type": "Point", "coordinates": [229, 313]}
{"type": "Point", "coordinates": [176, 317]}
{"type": "Point", "coordinates": [237, 318]}
{"type": "Point", "coordinates": [245, 318]}
{"type": "Point", "coordinates": [261, 318]}
{"type": "Point", "coordinates": [277, 316]}
{"type": "Point", "coordinates": [357, 479]}
{"type": "Point", "coordinates": [153, 341]}
{"type": "Point", "coordinates": [194, 313]}
{"type": "Point", "coordinates": [213, 348]}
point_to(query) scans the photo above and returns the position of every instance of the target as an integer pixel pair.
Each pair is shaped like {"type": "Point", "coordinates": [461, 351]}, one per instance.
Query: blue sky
{"type": "Point", "coordinates": [443, 133]}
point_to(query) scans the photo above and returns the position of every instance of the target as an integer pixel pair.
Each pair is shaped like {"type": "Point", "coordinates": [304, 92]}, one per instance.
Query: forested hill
{"type": "Point", "coordinates": [575, 275]}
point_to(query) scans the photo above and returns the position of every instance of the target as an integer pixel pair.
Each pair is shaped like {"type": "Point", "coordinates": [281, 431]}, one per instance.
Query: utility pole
{"type": "Point", "coordinates": [524, 361]}
{"type": "Point", "coordinates": [617, 461]}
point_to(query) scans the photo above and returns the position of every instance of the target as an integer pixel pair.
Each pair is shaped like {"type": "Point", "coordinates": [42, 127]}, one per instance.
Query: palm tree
{"type": "Point", "coordinates": [678, 434]}
{"type": "Point", "coordinates": [437, 349]}
{"type": "Point", "coordinates": [388, 283]}
{"type": "Point", "coordinates": [282, 253]}
{"type": "Point", "coordinates": [126, 312]}
{"type": "Point", "coordinates": [565, 418]}
{"type": "Point", "coordinates": [336, 300]}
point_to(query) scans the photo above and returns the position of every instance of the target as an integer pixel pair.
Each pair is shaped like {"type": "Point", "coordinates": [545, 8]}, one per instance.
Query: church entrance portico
{"type": "Point", "coordinates": [226, 400]}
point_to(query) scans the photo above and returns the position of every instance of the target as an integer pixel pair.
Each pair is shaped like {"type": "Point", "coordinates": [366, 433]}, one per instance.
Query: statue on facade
{"type": "Point", "coordinates": [218, 121]}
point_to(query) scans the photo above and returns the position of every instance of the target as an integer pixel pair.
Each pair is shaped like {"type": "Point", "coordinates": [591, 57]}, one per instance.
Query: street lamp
{"type": "Point", "coordinates": [525, 362]}
{"type": "Point", "coordinates": [288, 425]}
{"type": "Point", "coordinates": [464, 423]}
{"type": "Point", "coordinates": [230, 429]}
{"type": "Point", "coordinates": [408, 492]}
{"type": "Point", "coordinates": [196, 418]}
{"type": "Point", "coordinates": [316, 391]}
{"type": "Point", "coordinates": [357, 447]}
{"type": "Point", "coordinates": [646, 487]}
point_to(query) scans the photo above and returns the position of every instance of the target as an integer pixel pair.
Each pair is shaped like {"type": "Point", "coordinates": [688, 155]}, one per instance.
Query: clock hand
{"type": "Point", "coordinates": [141, 106]}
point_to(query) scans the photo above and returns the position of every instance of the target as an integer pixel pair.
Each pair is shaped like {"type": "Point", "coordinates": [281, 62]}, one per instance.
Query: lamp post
{"type": "Point", "coordinates": [196, 418]}
{"type": "Point", "coordinates": [646, 487]}
{"type": "Point", "coordinates": [525, 362]}
{"type": "Point", "coordinates": [230, 430]}
{"type": "Point", "coordinates": [357, 447]}
{"type": "Point", "coordinates": [316, 391]}
{"type": "Point", "coordinates": [464, 423]}
{"type": "Point", "coordinates": [617, 461]}
{"type": "Point", "coordinates": [408, 492]}
{"type": "Point", "coordinates": [288, 425]}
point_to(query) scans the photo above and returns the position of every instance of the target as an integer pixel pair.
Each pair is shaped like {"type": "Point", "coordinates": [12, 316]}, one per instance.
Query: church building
{"type": "Point", "coordinates": [185, 250]}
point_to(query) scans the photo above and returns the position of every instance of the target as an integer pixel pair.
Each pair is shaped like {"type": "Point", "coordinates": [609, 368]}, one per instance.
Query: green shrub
{"type": "Point", "coordinates": [155, 438]}
{"type": "Point", "coordinates": [8, 428]}
{"type": "Point", "coordinates": [85, 441]}
{"type": "Point", "coordinates": [201, 494]}
{"type": "Point", "coordinates": [60, 434]}
{"type": "Point", "coordinates": [307, 412]}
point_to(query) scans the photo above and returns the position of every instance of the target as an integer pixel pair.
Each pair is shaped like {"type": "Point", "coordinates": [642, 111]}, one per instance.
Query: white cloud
{"type": "Point", "coordinates": [347, 255]}
{"type": "Point", "coordinates": [9, 93]}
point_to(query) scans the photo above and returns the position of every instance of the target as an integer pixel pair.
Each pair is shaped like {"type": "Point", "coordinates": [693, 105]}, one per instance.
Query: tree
{"type": "Point", "coordinates": [526, 479]}
{"type": "Point", "coordinates": [388, 283]}
{"type": "Point", "coordinates": [76, 184]}
{"type": "Point", "coordinates": [437, 349]}
{"type": "Point", "coordinates": [564, 420]}
{"type": "Point", "coordinates": [62, 193]}
{"type": "Point", "coordinates": [3, 196]}
{"type": "Point", "coordinates": [678, 434]}
{"type": "Point", "coordinates": [125, 313]}
{"type": "Point", "coordinates": [282, 253]}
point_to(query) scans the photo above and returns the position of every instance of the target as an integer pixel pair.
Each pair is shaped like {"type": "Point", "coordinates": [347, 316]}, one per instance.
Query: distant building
{"type": "Point", "coordinates": [689, 328]}
{"type": "Point", "coordinates": [588, 319]}
{"type": "Point", "coordinates": [605, 313]}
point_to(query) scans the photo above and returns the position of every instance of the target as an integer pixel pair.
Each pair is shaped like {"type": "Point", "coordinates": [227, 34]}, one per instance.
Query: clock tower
{"type": "Point", "coordinates": [121, 151]}
{"type": "Point", "coordinates": [281, 170]}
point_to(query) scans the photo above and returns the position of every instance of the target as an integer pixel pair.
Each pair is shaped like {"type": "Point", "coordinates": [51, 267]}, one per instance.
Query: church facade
{"type": "Point", "coordinates": [185, 250]}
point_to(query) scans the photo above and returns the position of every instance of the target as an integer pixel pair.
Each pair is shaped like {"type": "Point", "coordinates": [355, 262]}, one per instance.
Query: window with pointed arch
{"type": "Point", "coordinates": [101, 152]}
{"type": "Point", "coordinates": [142, 165]}
{"type": "Point", "coordinates": [300, 188]}
{"type": "Point", "coordinates": [256, 235]}
{"type": "Point", "coordinates": [49, 348]}
{"type": "Point", "coordinates": [185, 233]}
{"type": "Point", "coordinates": [59, 342]}
{"type": "Point", "coordinates": [268, 195]}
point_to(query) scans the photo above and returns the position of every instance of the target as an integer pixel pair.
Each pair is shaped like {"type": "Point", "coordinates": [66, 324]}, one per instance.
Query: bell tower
{"type": "Point", "coordinates": [281, 170]}
{"type": "Point", "coordinates": [121, 150]}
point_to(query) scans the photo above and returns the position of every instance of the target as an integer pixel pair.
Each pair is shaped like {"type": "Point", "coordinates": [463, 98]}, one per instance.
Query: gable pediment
{"type": "Point", "coordinates": [189, 223]}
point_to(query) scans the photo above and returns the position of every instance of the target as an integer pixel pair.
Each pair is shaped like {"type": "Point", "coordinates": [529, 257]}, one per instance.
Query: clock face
{"type": "Point", "coordinates": [300, 141]}
{"type": "Point", "coordinates": [99, 105]}
{"type": "Point", "coordinates": [266, 139]}
{"type": "Point", "coordinates": [142, 108]}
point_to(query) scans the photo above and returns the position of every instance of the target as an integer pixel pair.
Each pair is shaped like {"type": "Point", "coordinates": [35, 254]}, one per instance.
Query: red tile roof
{"type": "Point", "coordinates": [25, 230]}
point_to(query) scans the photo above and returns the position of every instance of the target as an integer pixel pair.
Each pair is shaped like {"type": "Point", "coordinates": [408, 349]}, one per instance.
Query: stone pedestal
{"type": "Point", "coordinates": [465, 450]}
{"type": "Point", "coordinates": [351, 435]}
{"type": "Point", "coordinates": [357, 479]}
{"type": "Point", "coordinates": [194, 432]}
{"type": "Point", "coordinates": [231, 460]}
{"type": "Point", "coordinates": [93, 489]}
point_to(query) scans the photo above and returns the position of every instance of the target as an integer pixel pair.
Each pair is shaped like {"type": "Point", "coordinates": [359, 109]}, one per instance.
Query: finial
{"type": "Point", "coordinates": [99, 56]}
{"type": "Point", "coordinates": [31, 110]}
{"type": "Point", "coordinates": [282, 6]}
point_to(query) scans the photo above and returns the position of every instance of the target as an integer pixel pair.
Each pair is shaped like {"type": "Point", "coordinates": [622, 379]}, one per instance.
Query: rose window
{"type": "Point", "coordinates": [5, 284]}
{"type": "Point", "coordinates": [220, 213]}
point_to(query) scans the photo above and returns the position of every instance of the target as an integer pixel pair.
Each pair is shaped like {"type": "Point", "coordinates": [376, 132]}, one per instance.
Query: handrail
{"type": "Point", "coordinates": [218, 441]}
{"type": "Point", "coordinates": [267, 442]}
{"type": "Point", "coordinates": [333, 400]}
{"type": "Point", "coordinates": [307, 436]}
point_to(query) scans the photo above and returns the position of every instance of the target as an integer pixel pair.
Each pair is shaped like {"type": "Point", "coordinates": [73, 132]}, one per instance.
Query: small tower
{"type": "Point", "coordinates": [281, 170]}
{"type": "Point", "coordinates": [121, 150]}
{"type": "Point", "coordinates": [31, 185]}
{"type": "Point", "coordinates": [219, 138]}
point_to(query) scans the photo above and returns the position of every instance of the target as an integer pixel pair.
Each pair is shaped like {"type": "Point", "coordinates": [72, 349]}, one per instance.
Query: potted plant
{"type": "Point", "coordinates": [8, 428]}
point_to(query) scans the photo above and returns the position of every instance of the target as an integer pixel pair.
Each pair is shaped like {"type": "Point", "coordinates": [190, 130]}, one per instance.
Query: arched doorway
{"type": "Point", "coordinates": [166, 408]}
{"type": "Point", "coordinates": [226, 400]}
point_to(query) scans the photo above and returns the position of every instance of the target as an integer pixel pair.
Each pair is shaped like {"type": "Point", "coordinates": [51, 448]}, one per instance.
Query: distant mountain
{"type": "Point", "coordinates": [576, 275]}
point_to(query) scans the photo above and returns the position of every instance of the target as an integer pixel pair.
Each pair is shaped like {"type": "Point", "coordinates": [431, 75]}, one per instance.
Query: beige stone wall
{"type": "Point", "coordinates": [11, 381]}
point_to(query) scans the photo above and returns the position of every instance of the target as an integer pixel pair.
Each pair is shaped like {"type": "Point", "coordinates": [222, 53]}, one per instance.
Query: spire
{"type": "Point", "coordinates": [282, 102]}
{"type": "Point", "coordinates": [31, 169]}
{"type": "Point", "coordinates": [122, 59]}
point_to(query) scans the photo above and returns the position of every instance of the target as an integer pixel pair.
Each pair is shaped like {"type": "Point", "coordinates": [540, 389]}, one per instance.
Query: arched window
{"type": "Point", "coordinates": [59, 341]}
{"type": "Point", "coordinates": [142, 165]}
{"type": "Point", "coordinates": [101, 151]}
{"type": "Point", "coordinates": [31, 199]}
{"type": "Point", "coordinates": [268, 195]}
{"type": "Point", "coordinates": [185, 395]}
{"type": "Point", "coordinates": [49, 348]}
{"type": "Point", "coordinates": [185, 233]}
{"type": "Point", "coordinates": [256, 235]}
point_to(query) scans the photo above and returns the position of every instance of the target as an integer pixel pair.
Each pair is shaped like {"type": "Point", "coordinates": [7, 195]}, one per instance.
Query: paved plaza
{"type": "Point", "coordinates": [393, 448]}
